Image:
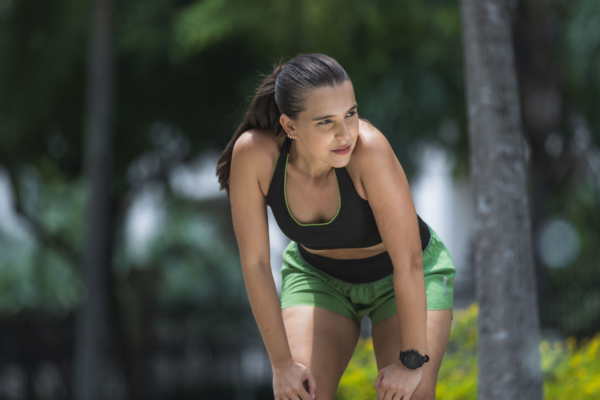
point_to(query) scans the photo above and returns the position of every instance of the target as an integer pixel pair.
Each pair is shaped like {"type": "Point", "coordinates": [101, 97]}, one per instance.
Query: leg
{"type": "Point", "coordinates": [387, 348]}
{"type": "Point", "coordinates": [323, 341]}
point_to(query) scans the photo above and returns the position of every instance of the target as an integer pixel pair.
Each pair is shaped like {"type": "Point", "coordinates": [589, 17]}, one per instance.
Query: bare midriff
{"type": "Point", "coordinates": [349, 254]}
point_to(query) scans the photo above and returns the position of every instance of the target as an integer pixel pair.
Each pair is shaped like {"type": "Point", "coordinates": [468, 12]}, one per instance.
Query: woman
{"type": "Point", "coordinates": [358, 247]}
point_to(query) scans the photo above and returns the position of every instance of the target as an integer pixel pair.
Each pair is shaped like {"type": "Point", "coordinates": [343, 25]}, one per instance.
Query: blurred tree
{"type": "Point", "coordinates": [557, 46]}
{"type": "Point", "coordinates": [509, 334]}
{"type": "Point", "coordinates": [91, 331]}
{"type": "Point", "coordinates": [401, 57]}
{"type": "Point", "coordinates": [541, 104]}
{"type": "Point", "coordinates": [184, 71]}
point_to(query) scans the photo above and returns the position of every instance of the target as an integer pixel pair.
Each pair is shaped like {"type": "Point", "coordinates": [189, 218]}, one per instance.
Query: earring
{"type": "Point", "coordinates": [289, 135]}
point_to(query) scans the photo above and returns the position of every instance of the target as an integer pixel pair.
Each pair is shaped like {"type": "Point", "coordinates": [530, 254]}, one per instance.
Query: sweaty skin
{"type": "Point", "coordinates": [312, 189]}
{"type": "Point", "coordinates": [310, 346]}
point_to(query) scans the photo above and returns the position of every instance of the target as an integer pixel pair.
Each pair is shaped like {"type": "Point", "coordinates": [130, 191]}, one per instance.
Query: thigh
{"type": "Point", "coordinates": [386, 345]}
{"type": "Point", "coordinates": [323, 341]}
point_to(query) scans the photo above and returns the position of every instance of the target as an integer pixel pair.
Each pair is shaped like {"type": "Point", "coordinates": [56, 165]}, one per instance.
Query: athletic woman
{"type": "Point", "coordinates": [357, 245]}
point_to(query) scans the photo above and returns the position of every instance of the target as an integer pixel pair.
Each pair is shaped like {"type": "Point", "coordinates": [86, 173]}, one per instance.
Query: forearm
{"type": "Point", "coordinates": [411, 305]}
{"type": "Point", "coordinates": [266, 308]}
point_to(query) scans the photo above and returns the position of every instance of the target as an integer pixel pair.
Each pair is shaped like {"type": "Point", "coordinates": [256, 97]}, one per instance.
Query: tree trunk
{"type": "Point", "coordinates": [91, 326]}
{"type": "Point", "coordinates": [508, 344]}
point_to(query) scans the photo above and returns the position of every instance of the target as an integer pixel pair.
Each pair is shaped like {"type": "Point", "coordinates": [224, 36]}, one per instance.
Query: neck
{"type": "Point", "coordinates": [306, 164]}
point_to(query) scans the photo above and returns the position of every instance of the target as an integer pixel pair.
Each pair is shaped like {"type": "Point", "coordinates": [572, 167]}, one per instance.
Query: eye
{"type": "Point", "coordinates": [351, 113]}
{"type": "Point", "coordinates": [323, 122]}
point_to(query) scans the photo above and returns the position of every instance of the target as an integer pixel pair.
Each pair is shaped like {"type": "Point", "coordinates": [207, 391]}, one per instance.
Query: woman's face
{"type": "Point", "coordinates": [330, 120]}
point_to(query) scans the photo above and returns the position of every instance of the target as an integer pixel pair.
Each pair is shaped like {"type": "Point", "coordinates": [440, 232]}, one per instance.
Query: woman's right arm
{"type": "Point", "coordinates": [250, 222]}
{"type": "Point", "coordinates": [249, 211]}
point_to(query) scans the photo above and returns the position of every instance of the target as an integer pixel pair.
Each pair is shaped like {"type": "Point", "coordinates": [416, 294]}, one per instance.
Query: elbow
{"type": "Point", "coordinates": [416, 263]}
{"type": "Point", "coordinates": [412, 264]}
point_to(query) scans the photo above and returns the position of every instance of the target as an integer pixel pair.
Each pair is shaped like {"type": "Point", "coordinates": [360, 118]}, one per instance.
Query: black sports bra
{"type": "Point", "coordinates": [353, 226]}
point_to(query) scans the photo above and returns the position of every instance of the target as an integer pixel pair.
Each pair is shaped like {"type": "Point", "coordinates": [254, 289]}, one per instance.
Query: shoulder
{"type": "Point", "coordinates": [389, 197]}
{"type": "Point", "coordinates": [256, 142]}
{"type": "Point", "coordinates": [372, 150]}
{"type": "Point", "coordinates": [256, 150]}
{"type": "Point", "coordinates": [372, 154]}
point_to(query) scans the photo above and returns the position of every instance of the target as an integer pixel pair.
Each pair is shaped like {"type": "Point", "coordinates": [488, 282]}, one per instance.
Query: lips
{"type": "Point", "coordinates": [342, 148]}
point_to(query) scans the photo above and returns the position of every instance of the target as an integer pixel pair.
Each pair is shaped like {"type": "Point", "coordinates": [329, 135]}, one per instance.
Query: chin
{"type": "Point", "coordinates": [342, 164]}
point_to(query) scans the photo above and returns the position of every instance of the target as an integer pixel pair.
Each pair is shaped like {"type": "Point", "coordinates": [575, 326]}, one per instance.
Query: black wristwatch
{"type": "Point", "coordinates": [413, 359]}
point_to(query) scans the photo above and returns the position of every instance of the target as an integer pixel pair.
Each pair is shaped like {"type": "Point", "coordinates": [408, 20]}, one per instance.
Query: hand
{"type": "Point", "coordinates": [292, 380]}
{"type": "Point", "coordinates": [397, 381]}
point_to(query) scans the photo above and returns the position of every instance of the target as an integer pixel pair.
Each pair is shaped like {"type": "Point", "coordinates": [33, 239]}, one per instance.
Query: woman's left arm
{"type": "Point", "coordinates": [390, 199]}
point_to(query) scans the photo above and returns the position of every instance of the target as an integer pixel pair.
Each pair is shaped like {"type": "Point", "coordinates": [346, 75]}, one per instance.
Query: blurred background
{"type": "Point", "coordinates": [178, 323]}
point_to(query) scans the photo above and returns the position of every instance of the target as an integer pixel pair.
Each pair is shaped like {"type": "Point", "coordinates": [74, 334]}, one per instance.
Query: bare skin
{"type": "Point", "coordinates": [324, 342]}
{"type": "Point", "coordinates": [310, 347]}
{"type": "Point", "coordinates": [387, 349]}
{"type": "Point", "coordinates": [306, 188]}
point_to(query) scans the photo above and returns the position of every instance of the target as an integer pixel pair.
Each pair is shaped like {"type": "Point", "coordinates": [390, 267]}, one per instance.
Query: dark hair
{"type": "Point", "coordinates": [282, 92]}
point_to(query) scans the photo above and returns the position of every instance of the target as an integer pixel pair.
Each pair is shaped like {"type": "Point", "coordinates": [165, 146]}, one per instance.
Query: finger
{"type": "Point", "coordinates": [290, 396]}
{"type": "Point", "coordinates": [312, 384]}
{"type": "Point", "coordinates": [380, 390]}
{"type": "Point", "coordinates": [378, 380]}
{"type": "Point", "coordinates": [300, 392]}
{"type": "Point", "coordinates": [303, 394]}
{"type": "Point", "coordinates": [391, 395]}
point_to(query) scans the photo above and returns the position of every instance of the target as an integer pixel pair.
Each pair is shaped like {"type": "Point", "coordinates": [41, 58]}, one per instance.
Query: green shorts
{"type": "Point", "coordinates": [303, 284]}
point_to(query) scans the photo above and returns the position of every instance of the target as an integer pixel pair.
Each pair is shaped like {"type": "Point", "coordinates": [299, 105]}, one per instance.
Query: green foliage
{"type": "Point", "coordinates": [580, 59]}
{"type": "Point", "coordinates": [574, 302]}
{"type": "Point", "coordinates": [191, 65]}
{"type": "Point", "coordinates": [575, 289]}
{"type": "Point", "coordinates": [35, 279]}
{"type": "Point", "coordinates": [570, 370]}
{"type": "Point", "coordinates": [37, 276]}
{"type": "Point", "coordinates": [457, 379]}
{"type": "Point", "coordinates": [188, 255]}
{"type": "Point", "coordinates": [401, 56]}
{"type": "Point", "coordinates": [42, 50]}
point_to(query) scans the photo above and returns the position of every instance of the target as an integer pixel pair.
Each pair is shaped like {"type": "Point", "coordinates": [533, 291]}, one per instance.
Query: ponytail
{"type": "Point", "coordinates": [263, 113]}
{"type": "Point", "coordinates": [282, 92]}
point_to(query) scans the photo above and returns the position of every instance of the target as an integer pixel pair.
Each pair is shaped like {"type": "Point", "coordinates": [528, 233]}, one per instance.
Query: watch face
{"type": "Point", "coordinates": [412, 360]}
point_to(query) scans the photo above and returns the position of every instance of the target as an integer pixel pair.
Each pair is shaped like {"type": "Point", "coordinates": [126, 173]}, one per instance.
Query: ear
{"type": "Point", "coordinates": [288, 125]}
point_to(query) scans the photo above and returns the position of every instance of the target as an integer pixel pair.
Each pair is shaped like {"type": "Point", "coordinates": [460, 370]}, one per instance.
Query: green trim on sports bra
{"type": "Point", "coordinates": [288, 207]}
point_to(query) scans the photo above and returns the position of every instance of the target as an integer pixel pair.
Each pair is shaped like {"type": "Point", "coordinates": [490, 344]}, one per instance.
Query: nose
{"type": "Point", "coordinates": [343, 134]}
